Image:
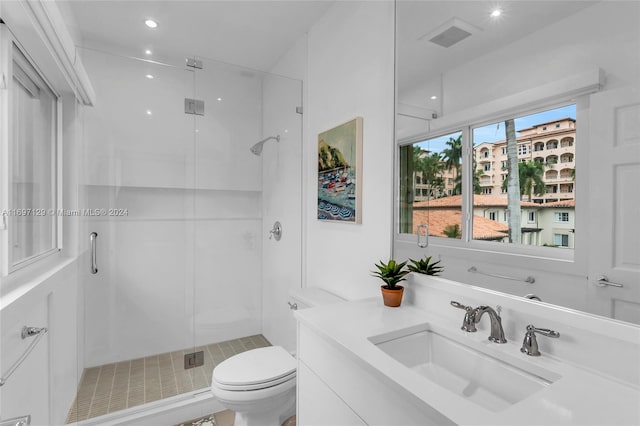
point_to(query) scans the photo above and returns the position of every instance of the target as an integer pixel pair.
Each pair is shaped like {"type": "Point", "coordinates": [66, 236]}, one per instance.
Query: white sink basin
{"type": "Point", "coordinates": [474, 375]}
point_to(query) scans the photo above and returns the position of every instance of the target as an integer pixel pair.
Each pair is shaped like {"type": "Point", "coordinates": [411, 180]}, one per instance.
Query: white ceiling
{"type": "Point", "coordinates": [257, 33]}
{"type": "Point", "coordinates": [420, 60]}
{"type": "Point", "coordinates": [254, 34]}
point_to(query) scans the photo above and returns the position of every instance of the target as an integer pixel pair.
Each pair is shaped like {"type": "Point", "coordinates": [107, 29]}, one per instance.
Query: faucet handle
{"type": "Point", "coordinates": [460, 305]}
{"type": "Point", "coordinates": [469, 322]}
{"type": "Point", "coordinates": [530, 343]}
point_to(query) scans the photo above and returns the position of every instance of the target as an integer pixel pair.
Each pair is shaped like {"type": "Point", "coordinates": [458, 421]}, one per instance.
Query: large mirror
{"type": "Point", "coordinates": [498, 104]}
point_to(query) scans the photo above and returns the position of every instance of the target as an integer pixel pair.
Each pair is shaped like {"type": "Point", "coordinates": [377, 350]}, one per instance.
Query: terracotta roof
{"type": "Point", "coordinates": [438, 220]}
{"type": "Point", "coordinates": [563, 203]}
{"type": "Point", "coordinates": [549, 122]}
{"type": "Point", "coordinates": [479, 200]}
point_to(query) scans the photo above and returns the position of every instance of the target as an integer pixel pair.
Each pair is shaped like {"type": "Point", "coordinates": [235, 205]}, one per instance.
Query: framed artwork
{"type": "Point", "coordinates": [340, 173]}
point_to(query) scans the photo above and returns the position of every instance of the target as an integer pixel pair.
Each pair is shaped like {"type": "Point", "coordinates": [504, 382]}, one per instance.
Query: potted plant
{"type": "Point", "coordinates": [425, 266]}
{"type": "Point", "coordinates": [391, 273]}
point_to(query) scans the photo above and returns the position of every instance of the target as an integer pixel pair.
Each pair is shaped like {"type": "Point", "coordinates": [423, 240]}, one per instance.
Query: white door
{"type": "Point", "coordinates": [614, 194]}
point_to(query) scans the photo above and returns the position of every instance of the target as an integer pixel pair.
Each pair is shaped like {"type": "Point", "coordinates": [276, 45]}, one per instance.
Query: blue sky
{"type": "Point", "coordinates": [495, 132]}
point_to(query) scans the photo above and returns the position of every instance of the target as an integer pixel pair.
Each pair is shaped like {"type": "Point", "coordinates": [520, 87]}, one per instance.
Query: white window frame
{"type": "Point", "coordinates": [571, 90]}
{"type": "Point", "coordinates": [7, 265]}
{"type": "Point", "coordinates": [558, 217]}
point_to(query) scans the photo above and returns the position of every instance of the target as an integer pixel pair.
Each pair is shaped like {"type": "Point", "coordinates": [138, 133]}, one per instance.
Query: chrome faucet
{"type": "Point", "coordinates": [497, 332]}
{"type": "Point", "coordinates": [530, 343]}
{"type": "Point", "coordinates": [472, 317]}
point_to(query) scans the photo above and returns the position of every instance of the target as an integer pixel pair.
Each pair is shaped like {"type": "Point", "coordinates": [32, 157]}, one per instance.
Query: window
{"type": "Point", "coordinates": [439, 161]}
{"type": "Point", "coordinates": [443, 158]}
{"type": "Point", "coordinates": [557, 125]}
{"type": "Point", "coordinates": [523, 149]}
{"type": "Point", "coordinates": [566, 142]}
{"type": "Point", "coordinates": [530, 187]}
{"type": "Point", "coordinates": [562, 216]}
{"type": "Point", "coordinates": [32, 145]}
{"type": "Point", "coordinates": [566, 158]}
{"type": "Point", "coordinates": [561, 240]}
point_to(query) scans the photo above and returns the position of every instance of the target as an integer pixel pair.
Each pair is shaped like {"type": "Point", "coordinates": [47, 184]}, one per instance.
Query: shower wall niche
{"type": "Point", "coordinates": [178, 202]}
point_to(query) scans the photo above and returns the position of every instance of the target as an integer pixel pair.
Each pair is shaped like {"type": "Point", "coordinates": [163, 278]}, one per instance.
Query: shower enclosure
{"type": "Point", "coordinates": [173, 213]}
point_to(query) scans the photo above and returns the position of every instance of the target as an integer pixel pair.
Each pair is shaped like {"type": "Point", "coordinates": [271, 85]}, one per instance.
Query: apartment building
{"type": "Point", "coordinates": [551, 143]}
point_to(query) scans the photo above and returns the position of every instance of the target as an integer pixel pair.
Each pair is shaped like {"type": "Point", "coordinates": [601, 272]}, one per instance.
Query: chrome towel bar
{"type": "Point", "coordinates": [529, 279]}
{"type": "Point", "coordinates": [26, 332]}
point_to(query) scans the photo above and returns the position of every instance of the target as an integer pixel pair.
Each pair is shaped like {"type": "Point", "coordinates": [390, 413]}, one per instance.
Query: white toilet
{"type": "Point", "coordinates": [260, 384]}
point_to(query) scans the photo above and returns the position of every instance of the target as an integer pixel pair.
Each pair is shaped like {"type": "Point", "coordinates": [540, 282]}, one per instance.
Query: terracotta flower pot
{"type": "Point", "coordinates": [392, 298]}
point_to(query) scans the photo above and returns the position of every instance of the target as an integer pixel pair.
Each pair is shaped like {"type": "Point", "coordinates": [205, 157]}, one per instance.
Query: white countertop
{"type": "Point", "coordinates": [579, 397]}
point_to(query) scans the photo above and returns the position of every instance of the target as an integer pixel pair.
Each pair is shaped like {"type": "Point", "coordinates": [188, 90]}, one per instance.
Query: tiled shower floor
{"type": "Point", "coordinates": [113, 387]}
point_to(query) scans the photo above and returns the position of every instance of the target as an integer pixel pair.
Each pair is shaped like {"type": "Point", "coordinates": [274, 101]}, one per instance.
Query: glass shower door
{"type": "Point", "coordinates": [138, 199]}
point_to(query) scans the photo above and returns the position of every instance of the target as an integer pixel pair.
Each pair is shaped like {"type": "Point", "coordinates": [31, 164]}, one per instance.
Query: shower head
{"type": "Point", "coordinates": [257, 148]}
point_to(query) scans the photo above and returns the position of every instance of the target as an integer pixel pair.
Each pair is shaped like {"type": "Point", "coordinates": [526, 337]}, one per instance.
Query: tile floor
{"type": "Point", "coordinates": [113, 387]}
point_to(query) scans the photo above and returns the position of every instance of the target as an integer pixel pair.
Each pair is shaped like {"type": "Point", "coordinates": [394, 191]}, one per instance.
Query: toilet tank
{"type": "Point", "coordinates": [302, 298]}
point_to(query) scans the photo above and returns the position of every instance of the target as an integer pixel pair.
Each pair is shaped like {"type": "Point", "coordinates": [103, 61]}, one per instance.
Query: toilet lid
{"type": "Point", "coordinates": [255, 367]}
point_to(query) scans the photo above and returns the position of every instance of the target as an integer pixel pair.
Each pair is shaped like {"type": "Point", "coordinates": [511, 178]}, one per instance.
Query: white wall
{"type": "Point", "coordinates": [350, 72]}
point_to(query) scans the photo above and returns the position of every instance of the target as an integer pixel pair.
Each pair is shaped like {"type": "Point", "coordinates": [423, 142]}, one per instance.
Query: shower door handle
{"type": "Point", "coordinates": [94, 260]}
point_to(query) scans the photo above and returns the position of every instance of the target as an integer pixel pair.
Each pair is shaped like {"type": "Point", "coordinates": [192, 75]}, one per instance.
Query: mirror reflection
{"type": "Point", "coordinates": [498, 105]}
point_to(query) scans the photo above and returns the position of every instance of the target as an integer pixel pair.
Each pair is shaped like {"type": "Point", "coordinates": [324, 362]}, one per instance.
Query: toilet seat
{"type": "Point", "coordinates": [255, 369]}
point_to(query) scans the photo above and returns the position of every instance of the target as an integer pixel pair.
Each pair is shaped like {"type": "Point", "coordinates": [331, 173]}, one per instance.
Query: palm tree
{"type": "Point", "coordinates": [530, 176]}
{"type": "Point", "coordinates": [513, 183]}
{"type": "Point", "coordinates": [430, 167]}
{"type": "Point", "coordinates": [452, 231]}
{"type": "Point", "coordinates": [477, 189]}
{"type": "Point", "coordinates": [453, 155]}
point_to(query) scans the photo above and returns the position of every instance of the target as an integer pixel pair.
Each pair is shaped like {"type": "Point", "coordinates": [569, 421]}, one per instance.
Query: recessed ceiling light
{"type": "Point", "coordinates": [219, 99]}
{"type": "Point", "coordinates": [149, 112]}
{"type": "Point", "coordinates": [433, 98]}
{"type": "Point", "coordinates": [149, 76]}
{"type": "Point", "coordinates": [495, 13]}
{"type": "Point", "coordinates": [148, 52]}
{"type": "Point", "coordinates": [151, 23]}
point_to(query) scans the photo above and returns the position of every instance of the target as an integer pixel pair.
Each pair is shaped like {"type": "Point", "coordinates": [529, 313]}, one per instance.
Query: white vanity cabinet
{"type": "Point", "coordinates": [318, 405]}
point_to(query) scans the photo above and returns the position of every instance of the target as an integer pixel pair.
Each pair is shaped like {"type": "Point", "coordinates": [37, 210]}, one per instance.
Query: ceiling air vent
{"type": "Point", "coordinates": [450, 33]}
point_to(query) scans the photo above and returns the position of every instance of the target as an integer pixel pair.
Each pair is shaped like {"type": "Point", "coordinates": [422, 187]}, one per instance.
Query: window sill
{"type": "Point", "coordinates": [526, 258]}
{"type": "Point", "coordinates": [21, 282]}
